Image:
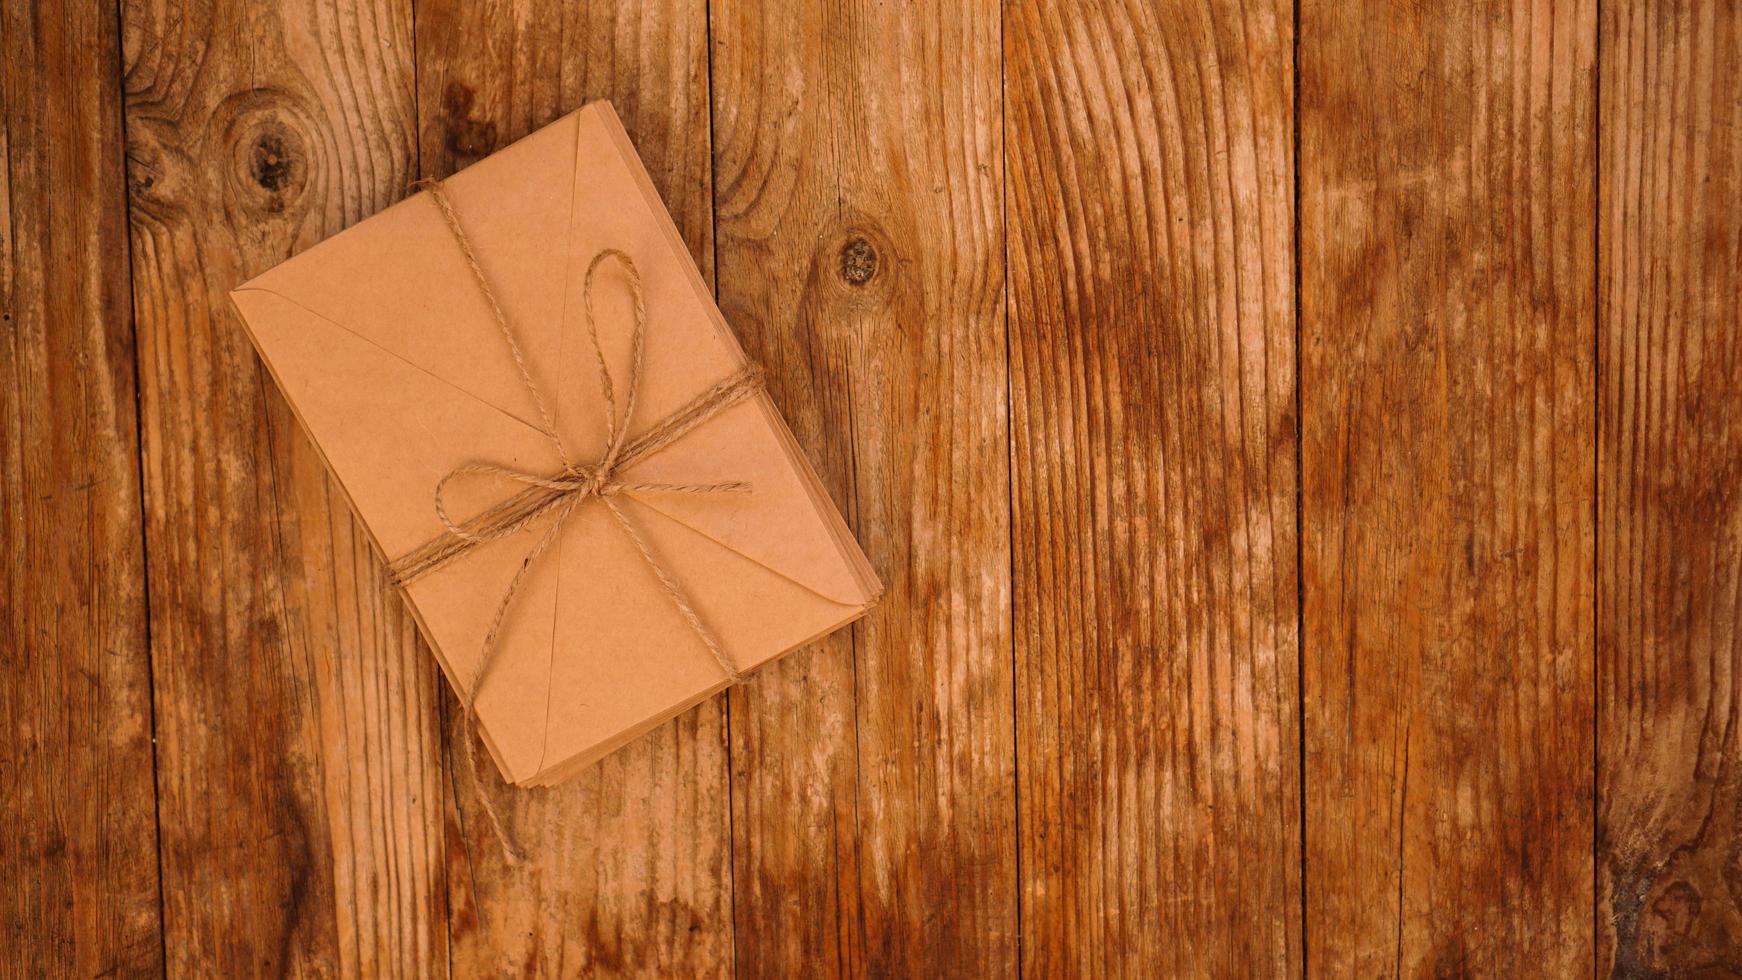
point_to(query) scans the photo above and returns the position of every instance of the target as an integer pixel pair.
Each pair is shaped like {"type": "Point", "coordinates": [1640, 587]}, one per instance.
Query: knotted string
{"type": "Point", "coordinates": [557, 495]}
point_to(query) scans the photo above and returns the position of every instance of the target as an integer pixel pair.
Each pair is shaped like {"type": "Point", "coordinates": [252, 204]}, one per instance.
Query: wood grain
{"type": "Point", "coordinates": [299, 765]}
{"type": "Point", "coordinates": [858, 173]}
{"type": "Point", "coordinates": [1152, 400]}
{"type": "Point", "coordinates": [1447, 194]}
{"type": "Point", "coordinates": [1669, 629]}
{"type": "Point", "coordinates": [628, 870]}
{"type": "Point", "coordinates": [1025, 277]}
{"type": "Point", "coordinates": [78, 848]}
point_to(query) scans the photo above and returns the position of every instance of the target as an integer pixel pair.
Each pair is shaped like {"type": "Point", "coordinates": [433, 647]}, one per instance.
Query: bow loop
{"type": "Point", "coordinates": [616, 430]}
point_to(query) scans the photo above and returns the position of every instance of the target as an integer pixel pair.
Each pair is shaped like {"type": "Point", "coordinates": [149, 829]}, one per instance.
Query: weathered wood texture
{"type": "Point", "coordinates": [1024, 274]}
{"type": "Point", "coordinates": [1669, 492]}
{"type": "Point", "coordinates": [298, 753]}
{"type": "Point", "coordinates": [1152, 396]}
{"type": "Point", "coordinates": [1447, 194]}
{"type": "Point", "coordinates": [78, 848]}
{"type": "Point", "coordinates": [628, 868]}
{"type": "Point", "coordinates": [858, 170]}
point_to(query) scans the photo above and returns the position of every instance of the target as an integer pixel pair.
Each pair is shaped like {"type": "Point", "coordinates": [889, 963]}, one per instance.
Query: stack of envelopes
{"type": "Point", "coordinates": [386, 349]}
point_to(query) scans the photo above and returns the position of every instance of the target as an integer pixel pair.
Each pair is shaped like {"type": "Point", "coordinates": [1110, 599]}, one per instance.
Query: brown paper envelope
{"type": "Point", "coordinates": [386, 349]}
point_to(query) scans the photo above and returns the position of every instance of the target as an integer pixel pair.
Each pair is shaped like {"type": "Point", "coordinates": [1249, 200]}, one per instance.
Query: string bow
{"type": "Point", "coordinates": [557, 495]}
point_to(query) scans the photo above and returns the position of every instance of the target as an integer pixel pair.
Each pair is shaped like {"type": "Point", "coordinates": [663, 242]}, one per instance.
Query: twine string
{"type": "Point", "coordinates": [556, 496]}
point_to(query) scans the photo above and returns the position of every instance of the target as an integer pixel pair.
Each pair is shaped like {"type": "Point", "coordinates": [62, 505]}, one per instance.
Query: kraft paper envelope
{"type": "Point", "coordinates": [384, 345]}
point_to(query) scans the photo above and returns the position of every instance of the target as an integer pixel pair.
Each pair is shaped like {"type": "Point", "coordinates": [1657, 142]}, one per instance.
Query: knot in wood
{"type": "Point", "coordinates": [858, 261]}
{"type": "Point", "coordinates": [271, 163]}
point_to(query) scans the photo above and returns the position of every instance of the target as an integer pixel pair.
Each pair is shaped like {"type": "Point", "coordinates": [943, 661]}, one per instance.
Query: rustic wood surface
{"type": "Point", "coordinates": [1669, 492]}
{"type": "Point", "coordinates": [1152, 402]}
{"type": "Point", "coordinates": [299, 763]}
{"type": "Point", "coordinates": [78, 841]}
{"type": "Point", "coordinates": [862, 261]}
{"type": "Point", "coordinates": [1300, 444]}
{"type": "Point", "coordinates": [1447, 315]}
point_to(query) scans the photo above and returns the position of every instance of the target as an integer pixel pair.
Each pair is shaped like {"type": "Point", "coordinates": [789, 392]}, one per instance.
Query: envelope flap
{"type": "Point", "coordinates": [388, 429]}
{"type": "Point", "coordinates": [628, 655]}
{"type": "Point", "coordinates": [401, 281]}
{"type": "Point", "coordinates": [776, 524]}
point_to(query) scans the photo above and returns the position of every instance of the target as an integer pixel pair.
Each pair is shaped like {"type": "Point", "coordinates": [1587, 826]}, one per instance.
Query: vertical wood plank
{"type": "Point", "coordinates": [628, 864]}
{"type": "Point", "coordinates": [77, 825]}
{"type": "Point", "coordinates": [858, 173]}
{"type": "Point", "coordinates": [1447, 300]}
{"type": "Point", "coordinates": [1152, 364]}
{"type": "Point", "coordinates": [1669, 476]}
{"type": "Point", "coordinates": [299, 767]}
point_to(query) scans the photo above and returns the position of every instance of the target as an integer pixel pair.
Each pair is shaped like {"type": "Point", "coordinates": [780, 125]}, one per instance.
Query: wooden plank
{"type": "Point", "coordinates": [79, 843]}
{"type": "Point", "coordinates": [1447, 195]}
{"type": "Point", "coordinates": [627, 870]}
{"type": "Point", "coordinates": [1152, 399]}
{"type": "Point", "coordinates": [858, 174]}
{"type": "Point", "coordinates": [298, 742]}
{"type": "Point", "coordinates": [1669, 472]}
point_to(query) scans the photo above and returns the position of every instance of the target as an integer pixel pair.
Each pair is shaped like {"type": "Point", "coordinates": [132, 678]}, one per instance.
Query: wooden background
{"type": "Point", "coordinates": [1303, 445]}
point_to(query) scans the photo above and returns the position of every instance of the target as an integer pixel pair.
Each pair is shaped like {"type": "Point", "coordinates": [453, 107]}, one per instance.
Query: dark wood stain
{"type": "Point", "coordinates": [467, 138]}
